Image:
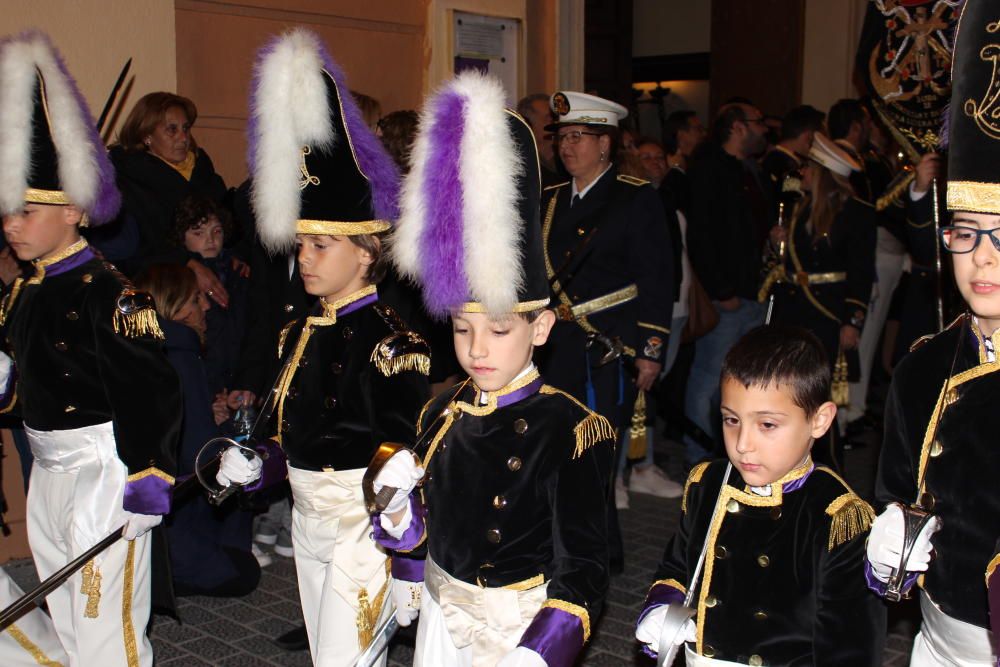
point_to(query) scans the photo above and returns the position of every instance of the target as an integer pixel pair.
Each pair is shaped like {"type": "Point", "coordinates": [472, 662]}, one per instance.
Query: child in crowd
{"type": "Point", "coordinates": [101, 404]}
{"type": "Point", "coordinates": [783, 580]}
{"type": "Point", "coordinates": [514, 504]}
{"type": "Point", "coordinates": [354, 376]}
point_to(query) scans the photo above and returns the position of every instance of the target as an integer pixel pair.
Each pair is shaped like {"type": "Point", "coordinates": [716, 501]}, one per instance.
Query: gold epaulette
{"type": "Point", "coordinates": [923, 340]}
{"type": "Point", "coordinates": [851, 516]}
{"type": "Point", "coordinates": [557, 185]}
{"type": "Point", "coordinates": [135, 315]}
{"type": "Point", "coordinates": [694, 477]}
{"type": "Point", "coordinates": [632, 180]}
{"type": "Point", "coordinates": [283, 336]}
{"type": "Point", "coordinates": [593, 429]}
{"type": "Point", "coordinates": [402, 351]}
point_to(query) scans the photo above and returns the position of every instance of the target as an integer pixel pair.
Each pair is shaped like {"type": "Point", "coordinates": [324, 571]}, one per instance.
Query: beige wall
{"type": "Point", "coordinates": [667, 27]}
{"type": "Point", "coordinates": [831, 40]}
{"type": "Point", "coordinates": [96, 37]}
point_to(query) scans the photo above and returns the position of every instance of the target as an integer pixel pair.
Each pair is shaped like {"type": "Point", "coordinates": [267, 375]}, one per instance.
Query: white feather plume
{"type": "Point", "coordinates": [21, 61]}
{"type": "Point", "coordinates": [291, 110]}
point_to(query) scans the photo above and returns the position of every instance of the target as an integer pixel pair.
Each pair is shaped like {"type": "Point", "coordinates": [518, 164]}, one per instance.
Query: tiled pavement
{"type": "Point", "coordinates": [237, 632]}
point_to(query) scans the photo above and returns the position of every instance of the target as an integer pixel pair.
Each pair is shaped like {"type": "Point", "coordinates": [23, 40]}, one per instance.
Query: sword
{"type": "Point", "coordinates": [114, 94]}
{"type": "Point", "coordinates": [380, 642]}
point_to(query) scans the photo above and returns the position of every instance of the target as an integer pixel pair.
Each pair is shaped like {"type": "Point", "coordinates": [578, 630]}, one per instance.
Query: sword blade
{"type": "Point", "coordinates": [111, 98]}
{"type": "Point", "coordinates": [380, 642]}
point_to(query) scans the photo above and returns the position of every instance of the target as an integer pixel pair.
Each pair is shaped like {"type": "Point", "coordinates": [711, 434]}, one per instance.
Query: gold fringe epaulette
{"type": "Point", "coordinates": [135, 316]}
{"type": "Point", "coordinates": [593, 429]}
{"type": "Point", "coordinates": [91, 587]}
{"type": "Point", "coordinates": [283, 336]}
{"type": "Point", "coordinates": [694, 477]}
{"type": "Point", "coordinates": [402, 351]}
{"type": "Point", "coordinates": [851, 517]}
{"type": "Point", "coordinates": [407, 362]}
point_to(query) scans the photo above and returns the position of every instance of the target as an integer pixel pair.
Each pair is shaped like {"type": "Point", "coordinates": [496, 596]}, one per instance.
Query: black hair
{"type": "Point", "coordinates": [524, 105]}
{"type": "Point", "coordinates": [194, 210]}
{"type": "Point", "coordinates": [782, 355]}
{"type": "Point", "coordinates": [842, 115]}
{"type": "Point", "coordinates": [801, 119]}
{"type": "Point", "coordinates": [728, 115]}
{"type": "Point", "coordinates": [676, 121]}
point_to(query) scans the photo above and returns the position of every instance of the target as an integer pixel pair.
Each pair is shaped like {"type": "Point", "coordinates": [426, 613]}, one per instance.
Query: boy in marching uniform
{"type": "Point", "coordinates": [100, 403]}
{"type": "Point", "coordinates": [940, 445]}
{"type": "Point", "coordinates": [784, 539]}
{"type": "Point", "coordinates": [511, 517]}
{"type": "Point", "coordinates": [354, 375]}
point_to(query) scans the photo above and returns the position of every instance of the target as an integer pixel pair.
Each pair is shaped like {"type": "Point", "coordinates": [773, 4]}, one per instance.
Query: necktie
{"type": "Point", "coordinates": [573, 202]}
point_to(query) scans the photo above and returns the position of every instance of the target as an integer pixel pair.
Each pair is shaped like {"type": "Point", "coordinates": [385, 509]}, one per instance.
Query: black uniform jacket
{"type": "Point", "coordinates": [357, 377]}
{"type": "Point", "coordinates": [88, 350]}
{"type": "Point", "coordinates": [849, 248]}
{"type": "Point", "coordinates": [629, 244]}
{"type": "Point", "coordinates": [783, 581]}
{"type": "Point", "coordinates": [955, 456]}
{"type": "Point", "coordinates": [516, 494]}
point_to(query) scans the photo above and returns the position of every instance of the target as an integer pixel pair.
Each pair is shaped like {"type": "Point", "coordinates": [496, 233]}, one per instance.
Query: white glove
{"type": "Point", "coordinates": [406, 598]}
{"type": "Point", "coordinates": [236, 468]}
{"type": "Point", "coordinates": [522, 656]}
{"type": "Point", "coordinates": [651, 628]}
{"type": "Point", "coordinates": [137, 525]}
{"type": "Point", "coordinates": [401, 472]}
{"type": "Point", "coordinates": [885, 543]}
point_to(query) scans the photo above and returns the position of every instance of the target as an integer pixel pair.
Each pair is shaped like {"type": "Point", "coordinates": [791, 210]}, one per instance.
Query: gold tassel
{"type": "Point", "coordinates": [637, 430]}
{"type": "Point", "coordinates": [851, 517]}
{"type": "Point", "coordinates": [839, 391]}
{"type": "Point", "coordinates": [694, 477]}
{"type": "Point", "coordinates": [368, 612]}
{"type": "Point", "coordinates": [590, 431]}
{"type": "Point", "coordinates": [411, 361]}
{"type": "Point", "coordinates": [91, 587]}
{"type": "Point", "coordinates": [141, 322]}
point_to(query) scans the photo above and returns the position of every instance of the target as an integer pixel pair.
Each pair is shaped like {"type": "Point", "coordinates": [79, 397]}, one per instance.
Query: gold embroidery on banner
{"type": "Point", "coordinates": [574, 609]}
{"type": "Point", "coordinates": [851, 516]}
{"type": "Point", "coordinates": [131, 650]}
{"type": "Point", "coordinates": [340, 228]}
{"type": "Point", "coordinates": [973, 196]}
{"type": "Point", "coordinates": [36, 653]}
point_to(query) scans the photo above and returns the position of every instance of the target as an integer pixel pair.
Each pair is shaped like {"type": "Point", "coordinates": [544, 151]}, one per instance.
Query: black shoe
{"type": "Point", "coordinates": [293, 640]}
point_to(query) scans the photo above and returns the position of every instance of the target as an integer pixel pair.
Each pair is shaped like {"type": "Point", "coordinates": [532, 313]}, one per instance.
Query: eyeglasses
{"type": "Point", "coordinates": [573, 137]}
{"type": "Point", "coordinates": [960, 240]}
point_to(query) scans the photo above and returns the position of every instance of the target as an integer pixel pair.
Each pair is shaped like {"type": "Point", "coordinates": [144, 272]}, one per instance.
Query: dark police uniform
{"type": "Point", "coordinates": [619, 281]}
{"type": "Point", "coordinates": [783, 580]}
{"type": "Point", "coordinates": [529, 467]}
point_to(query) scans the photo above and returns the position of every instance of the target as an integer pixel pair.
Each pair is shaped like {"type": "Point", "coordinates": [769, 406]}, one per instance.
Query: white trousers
{"type": "Point", "coordinates": [343, 575]}
{"type": "Point", "coordinates": [944, 641]}
{"type": "Point", "coordinates": [117, 636]}
{"type": "Point", "coordinates": [692, 659]}
{"type": "Point", "coordinates": [32, 640]}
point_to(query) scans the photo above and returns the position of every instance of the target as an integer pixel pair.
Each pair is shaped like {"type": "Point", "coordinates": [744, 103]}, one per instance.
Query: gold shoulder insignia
{"type": "Point", "coordinates": [283, 336]}
{"type": "Point", "coordinates": [593, 429]}
{"type": "Point", "coordinates": [851, 516]}
{"type": "Point", "coordinates": [631, 180]}
{"type": "Point", "coordinates": [135, 315]}
{"type": "Point", "coordinates": [402, 351]}
{"type": "Point", "coordinates": [556, 186]}
{"type": "Point", "coordinates": [694, 477]}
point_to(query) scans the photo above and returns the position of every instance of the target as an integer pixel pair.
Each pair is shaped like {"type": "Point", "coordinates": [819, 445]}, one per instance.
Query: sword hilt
{"type": "Point", "coordinates": [914, 520]}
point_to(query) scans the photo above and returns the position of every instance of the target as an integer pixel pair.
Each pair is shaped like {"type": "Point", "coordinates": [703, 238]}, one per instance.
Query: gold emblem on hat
{"type": "Point", "coordinates": [560, 104]}
{"type": "Point", "coordinates": [986, 111]}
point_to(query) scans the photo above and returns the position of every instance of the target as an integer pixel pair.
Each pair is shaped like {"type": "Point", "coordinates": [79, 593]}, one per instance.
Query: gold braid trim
{"type": "Point", "coordinates": [991, 567]}
{"type": "Point", "coordinates": [420, 419]}
{"type": "Point", "coordinates": [131, 652]}
{"type": "Point", "coordinates": [91, 587]}
{"type": "Point", "coordinates": [637, 429]}
{"type": "Point", "coordinates": [405, 362]}
{"type": "Point", "coordinates": [151, 471]}
{"type": "Point", "coordinates": [574, 609]}
{"type": "Point", "coordinates": [852, 516]}
{"type": "Point", "coordinates": [694, 477]}
{"type": "Point", "coordinates": [368, 612]}
{"type": "Point", "coordinates": [22, 640]}
{"type": "Point", "coordinates": [672, 583]}
{"type": "Point", "coordinates": [8, 301]}
{"type": "Point", "coordinates": [593, 429]}
{"type": "Point", "coordinates": [449, 419]}
{"type": "Point", "coordinates": [894, 192]}
{"type": "Point", "coordinates": [138, 323]}
{"type": "Point", "coordinates": [283, 336]}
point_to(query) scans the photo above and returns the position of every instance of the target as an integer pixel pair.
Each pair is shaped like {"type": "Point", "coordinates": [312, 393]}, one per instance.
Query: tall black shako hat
{"type": "Point", "coordinates": [974, 121]}
{"type": "Point", "coordinates": [315, 167]}
{"type": "Point", "coordinates": [50, 152]}
{"type": "Point", "coordinates": [469, 231]}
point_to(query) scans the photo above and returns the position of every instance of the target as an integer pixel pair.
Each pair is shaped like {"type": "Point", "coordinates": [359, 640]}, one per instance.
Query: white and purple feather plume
{"type": "Point", "coordinates": [85, 171]}
{"type": "Point", "coordinates": [459, 228]}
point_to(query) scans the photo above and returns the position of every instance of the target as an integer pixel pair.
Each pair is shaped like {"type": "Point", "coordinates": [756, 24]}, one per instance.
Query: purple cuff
{"type": "Point", "coordinates": [878, 586]}
{"type": "Point", "coordinates": [411, 537]}
{"type": "Point", "coordinates": [148, 493]}
{"type": "Point", "coordinates": [556, 635]}
{"type": "Point", "coordinates": [660, 595]}
{"type": "Point", "coordinates": [408, 569]}
{"type": "Point", "coordinates": [274, 469]}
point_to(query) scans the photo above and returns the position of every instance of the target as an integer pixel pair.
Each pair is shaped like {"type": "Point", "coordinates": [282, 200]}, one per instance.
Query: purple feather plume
{"type": "Point", "coordinates": [444, 281]}
{"type": "Point", "coordinates": [107, 199]}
